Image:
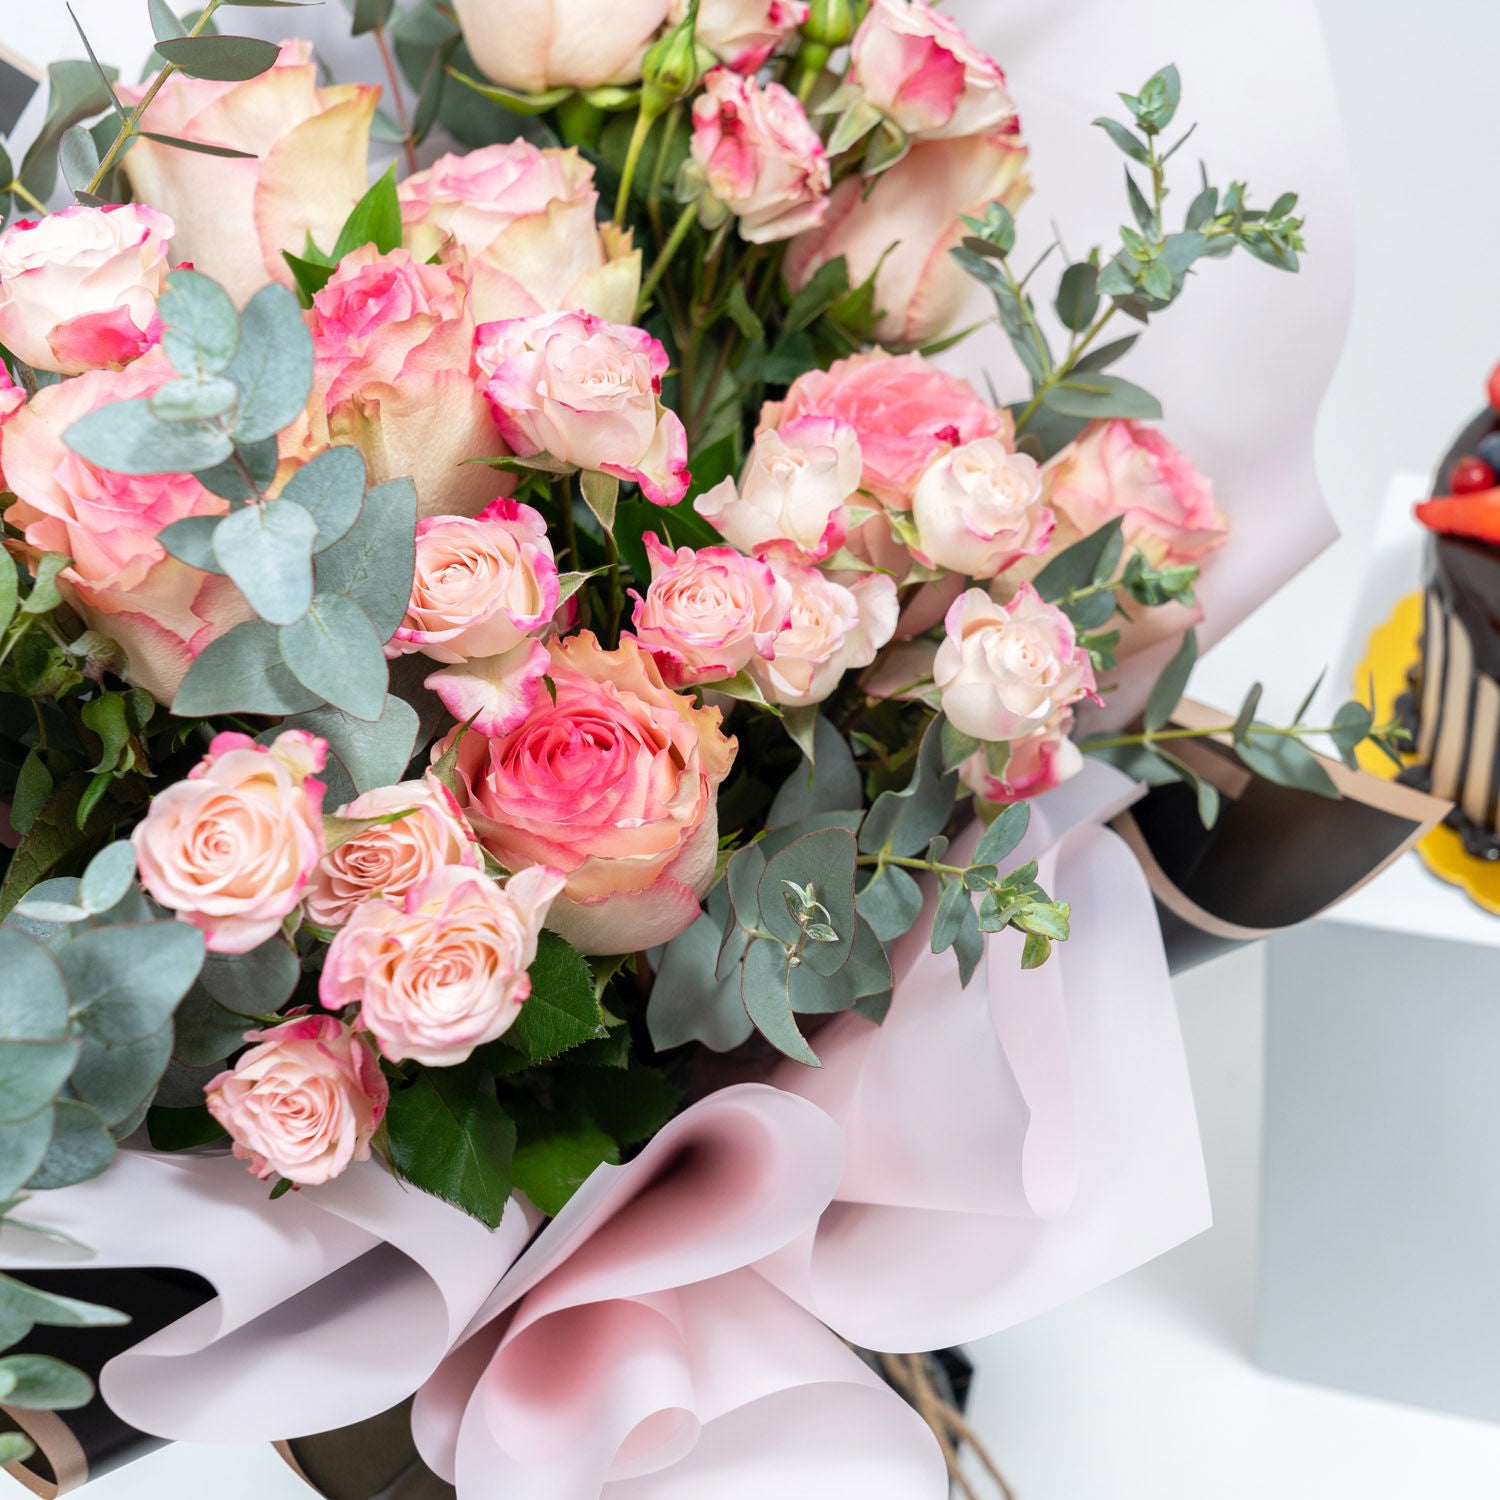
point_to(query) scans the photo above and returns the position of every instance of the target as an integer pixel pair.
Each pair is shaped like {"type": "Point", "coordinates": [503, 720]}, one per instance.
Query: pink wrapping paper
{"type": "Point", "coordinates": [631, 1355]}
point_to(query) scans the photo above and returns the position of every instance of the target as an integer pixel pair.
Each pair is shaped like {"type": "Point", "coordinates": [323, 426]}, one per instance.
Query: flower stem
{"type": "Point", "coordinates": [659, 268]}
{"type": "Point", "coordinates": [27, 197]}
{"type": "Point", "coordinates": [643, 124]}
{"type": "Point", "coordinates": [402, 115]}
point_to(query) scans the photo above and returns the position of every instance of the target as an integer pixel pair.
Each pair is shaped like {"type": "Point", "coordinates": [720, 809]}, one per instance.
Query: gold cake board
{"type": "Point", "coordinates": [1392, 650]}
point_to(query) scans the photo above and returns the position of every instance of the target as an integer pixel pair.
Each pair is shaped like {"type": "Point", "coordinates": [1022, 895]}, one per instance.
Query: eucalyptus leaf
{"type": "Point", "coordinates": [1170, 686]}
{"type": "Point", "coordinates": [267, 552]}
{"type": "Point", "coordinates": [374, 562]}
{"type": "Point", "coordinates": [81, 1147]}
{"type": "Point", "coordinates": [1284, 760]}
{"type": "Point", "coordinates": [40, 1382]}
{"type": "Point", "coordinates": [124, 436]}
{"type": "Point", "coordinates": [79, 158]}
{"type": "Point", "coordinates": [1097, 395]}
{"type": "Point", "coordinates": [331, 489]}
{"type": "Point", "coordinates": [905, 822]}
{"type": "Point", "coordinates": [335, 652]}
{"type": "Point", "coordinates": [118, 1078]}
{"type": "Point", "coordinates": [242, 672]}
{"type": "Point", "coordinates": [109, 877]}
{"type": "Point", "coordinates": [274, 364]}
{"type": "Point", "coordinates": [828, 780]}
{"type": "Point", "coordinates": [689, 1002]}
{"type": "Point", "coordinates": [221, 59]}
{"type": "Point", "coordinates": [891, 903]}
{"type": "Point", "coordinates": [764, 981]}
{"type": "Point", "coordinates": [196, 400]}
{"type": "Point", "coordinates": [1003, 835]}
{"type": "Point", "coordinates": [23, 1144]}
{"type": "Point", "coordinates": [75, 92]}
{"type": "Point", "coordinates": [1077, 301]}
{"type": "Point", "coordinates": [126, 980]}
{"type": "Point", "coordinates": [256, 983]}
{"type": "Point", "coordinates": [201, 331]}
{"type": "Point", "coordinates": [1082, 564]}
{"type": "Point", "coordinates": [824, 862]}
{"type": "Point", "coordinates": [191, 540]}
{"type": "Point", "coordinates": [374, 753]}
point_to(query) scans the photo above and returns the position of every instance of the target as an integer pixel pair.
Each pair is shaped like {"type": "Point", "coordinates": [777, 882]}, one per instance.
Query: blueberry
{"type": "Point", "coordinates": [1488, 448]}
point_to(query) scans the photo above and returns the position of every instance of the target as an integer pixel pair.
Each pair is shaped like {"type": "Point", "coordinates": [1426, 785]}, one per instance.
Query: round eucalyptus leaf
{"type": "Point", "coordinates": [81, 1147]}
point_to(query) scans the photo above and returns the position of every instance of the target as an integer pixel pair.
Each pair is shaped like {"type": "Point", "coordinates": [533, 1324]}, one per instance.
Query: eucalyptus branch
{"type": "Point", "coordinates": [403, 115]}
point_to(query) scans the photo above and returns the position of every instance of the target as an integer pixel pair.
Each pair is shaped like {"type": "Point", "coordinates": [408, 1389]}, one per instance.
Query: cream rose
{"type": "Point", "coordinates": [78, 288]}
{"type": "Point", "coordinates": [547, 44]}
{"type": "Point", "coordinates": [614, 781]}
{"type": "Point", "coordinates": [1007, 671]}
{"type": "Point", "coordinates": [390, 858]}
{"type": "Point", "coordinates": [743, 34]}
{"type": "Point", "coordinates": [1035, 765]}
{"type": "Point", "coordinates": [232, 848]}
{"type": "Point", "coordinates": [979, 508]}
{"type": "Point", "coordinates": [444, 970]}
{"type": "Point", "coordinates": [304, 1102]}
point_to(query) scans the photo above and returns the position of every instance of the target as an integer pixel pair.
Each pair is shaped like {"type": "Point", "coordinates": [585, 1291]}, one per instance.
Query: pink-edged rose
{"type": "Point", "coordinates": [493, 694]}
{"type": "Point", "coordinates": [708, 613]}
{"type": "Point", "coordinates": [588, 393]}
{"type": "Point", "coordinates": [796, 489]}
{"type": "Point", "coordinates": [122, 581]}
{"type": "Point", "coordinates": [524, 219]}
{"type": "Point", "coordinates": [481, 585]}
{"type": "Point", "coordinates": [1035, 765]}
{"type": "Point", "coordinates": [1121, 468]}
{"type": "Point", "coordinates": [231, 848]}
{"type": "Point", "coordinates": [393, 337]}
{"type": "Point", "coordinates": [615, 782]}
{"type": "Point", "coordinates": [1006, 671]}
{"type": "Point", "coordinates": [306, 168]}
{"type": "Point", "coordinates": [758, 156]}
{"type": "Point", "coordinates": [918, 68]}
{"type": "Point", "coordinates": [980, 508]}
{"type": "Point", "coordinates": [904, 410]}
{"type": "Point", "coordinates": [743, 34]}
{"type": "Point", "coordinates": [547, 44]}
{"type": "Point", "coordinates": [78, 288]}
{"type": "Point", "coordinates": [903, 232]}
{"type": "Point", "coordinates": [304, 1102]}
{"type": "Point", "coordinates": [834, 627]}
{"type": "Point", "coordinates": [388, 859]}
{"type": "Point", "coordinates": [443, 970]}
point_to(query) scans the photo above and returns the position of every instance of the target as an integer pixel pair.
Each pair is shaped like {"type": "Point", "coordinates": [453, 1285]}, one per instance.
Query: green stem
{"type": "Point", "coordinates": [659, 269]}
{"type": "Point", "coordinates": [27, 197]}
{"type": "Point", "coordinates": [27, 621]}
{"type": "Point", "coordinates": [1065, 369]}
{"type": "Point", "coordinates": [909, 863]}
{"type": "Point", "coordinates": [643, 124]}
{"type": "Point", "coordinates": [1119, 741]}
{"type": "Point", "coordinates": [402, 116]}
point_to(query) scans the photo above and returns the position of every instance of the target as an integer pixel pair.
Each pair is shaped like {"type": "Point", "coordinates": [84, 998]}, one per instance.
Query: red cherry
{"type": "Point", "coordinates": [1471, 474]}
{"type": "Point", "coordinates": [1494, 388]}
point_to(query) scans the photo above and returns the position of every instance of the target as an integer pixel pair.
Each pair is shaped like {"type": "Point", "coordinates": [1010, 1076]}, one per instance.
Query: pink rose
{"type": "Point", "coordinates": [834, 628]}
{"type": "Point", "coordinates": [979, 508]}
{"type": "Point", "coordinates": [121, 581]}
{"type": "Point", "coordinates": [919, 69]}
{"type": "Point", "coordinates": [743, 34]}
{"type": "Point", "coordinates": [1036, 764]}
{"type": "Point", "coordinates": [547, 44]}
{"type": "Point", "coordinates": [12, 397]}
{"type": "Point", "coordinates": [902, 233]}
{"type": "Point", "coordinates": [1006, 671]}
{"type": "Point", "coordinates": [235, 215]}
{"type": "Point", "coordinates": [905, 413]}
{"type": "Point", "coordinates": [232, 848]}
{"type": "Point", "coordinates": [1128, 469]}
{"type": "Point", "coordinates": [588, 393]}
{"type": "Point", "coordinates": [393, 337]}
{"type": "Point", "coordinates": [708, 614]}
{"type": "Point", "coordinates": [304, 1103]}
{"type": "Point", "coordinates": [614, 782]}
{"type": "Point", "coordinates": [759, 157]}
{"type": "Point", "coordinates": [78, 288]}
{"type": "Point", "coordinates": [796, 489]}
{"type": "Point", "coordinates": [390, 858]}
{"type": "Point", "coordinates": [524, 218]}
{"type": "Point", "coordinates": [493, 694]}
{"type": "Point", "coordinates": [481, 586]}
{"type": "Point", "coordinates": [443, 971]}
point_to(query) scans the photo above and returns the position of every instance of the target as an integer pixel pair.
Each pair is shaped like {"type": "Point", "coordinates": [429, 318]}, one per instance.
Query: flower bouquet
{"type": "Point", "coordinates": [552, 805]}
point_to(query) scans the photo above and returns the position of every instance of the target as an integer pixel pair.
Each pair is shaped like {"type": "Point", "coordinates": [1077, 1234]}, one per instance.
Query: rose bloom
{"type": "Point", "coordinates": [1006, 671]}
{"type": "Point", "coordinates": [1120, 468]}
{"type": "Point", "coordinates": [393, 337]}
{"type": "Point", "coordinates": [524, 218]}
{"type": "Point", "coordinates": [743, 34]}
{"type": "Point", "coordinates": [78, 288]}
{"type": "Point", "coordinates": [232, 848]}
{"type": "Point", "coordinates": [388, 859]}
{"type": "Point", "coordinates": [442, 971]}
{"type": "Point", "coordinates": [835, 627]}
{"type": "Point", "coordinates": [759, 156]}
{"type": "Point", "coordinates": [709, 613]}
{"type": "Point", "coordinates": [122, 581]}
{"type": "Point", "coordinates": [1037, 764]}
{"type": "Point", "coordinates": [303, 1103]}
{"type": "Point", "coordinates": [588, 393]}
{"type": "Point", "coordinates": [235, 215]}
{"type": "Point", "coordinates": [493, 694]}
{"type": "Point", "coordinates": [614, 782]}
{"type": "Point", "coordinates": [979, 508]}
{"type": "Point", "coordinates": [547, 44]}
{"type": "Point", "coordinates": [918, 68]}
{"type": "Point", "coordinates": [481, 586]}
{"type": "Point", "coordinates": [903, 232]}
{"type": "Point", "coordinates": [796, 489]}
{"type": "Point", "coordinates": [905, 413]}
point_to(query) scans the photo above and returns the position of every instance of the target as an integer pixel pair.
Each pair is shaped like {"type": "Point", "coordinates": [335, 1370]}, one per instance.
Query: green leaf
{"type": "Point", "coordinates": [1351, 726]}
{"type": "Point", "coordinates": [267, 551]}
{"type": "Point", "coordinates": [75, 92]}
{"type": "Point", "coordinates": [15, 1448]}
{"type": "Point", "coordinates": [22, 1307]}
{"type": "Point", "coordinates": [948, 921]}
{"type": "Point", "coordinates": [45, 595]}
{"type": "Point", "coordinates": [907, 821]}
{"type": "Point", "coordinates": [601, 492]}
{"type": "Point", "coordinates": [81, 1147]}
{"type": "Point", "coordinates": [1101, 395]}
{"type": "Point", "coordinates": [126, 980]}
{"type": "Point", "coordinates": [196, 400]}
{"type": "Point", "coordinates": [631, 1103]}
{"type": "Point", "coordinates": [109, 877]}
{"type": "Point", "coordinates": [36, 1053]}
{"type": "Point", "coordinates": [274, 365]}
{"type": "Point", "coordinates": [1170, 686]}
{"type": "Point", "coordinates": [38, 1382]}
{"type": "Point", "coordinates": [370, 15]}
{"type": "Point", "coordinates": [828, 285]}
{"type": "Point", "coordinates": [335, 651]}
{"type": "Point", "coordinates": [202, 329]}
{"type": "Point", "coordinates": [1078, 296]}
{"type": "Point", "coordinates": [191, 540]}
{"type": "Point", "coordinates": [1004, 834]}
{"type": "Point", "coordinates": [79, 159]}
{"type": "Point", "coordinates": [1281, 759]}
{"type": "Point", "coordinates": [311, 276]}
{"type": "Point", "coordinates": [374, 562]}
{"type": "Point", "coordinates": [374, 753]}
{"type": "Point", "coordinates": [22, 1147]}
{"type": "Point", "coordinates": [222, 59]}
{"type": "Point", "coordinates": [449, 1137]}
{"type": "Point", "coordinates": [254, 983]}
{"type": "Point", "coordinates": [242, 672]}
{"type": "Point", "coordinates": [561, 1010]}
{"type": "Point", "coordinates": [689, 1002]}
{"type": "Point", "coordinates": [1083, 564]}
{"type": "Point", "coordinates": [34, 785]}
{"type": "Point", "coordinates": [550, 1166]}
{"type": "Point", "coordinates": [331, 489]}
{"type": "Point", "coordinates": [124, 436]}
{"type": "Point", "coordinates": [823, 862]}
{"type": "Point", "coordinates": [182, 1129]}
{"type": "Point", "coordinates": [9, 592]}
{"type": "Point", "coordinates": [830, 781]}
{"type": "Point", "coordinates": [117, 1078]}
{"type": "Point", "coordinates": [891, 903]}
{"type": "Point", "coordinates": [1126, 140]}
{"type": "Point", "coordinates": [375, 220]}
{"type": "Point", "coordinates": [764, 981]}
{"type": "Point", "coordinates": [516, 103]}
{"type": "Point", "coordinates": [164, 23]}
{"type": "Point", "coordinates": [1105, 354]}
{"type": "Point", "coordinates": [201, 147]}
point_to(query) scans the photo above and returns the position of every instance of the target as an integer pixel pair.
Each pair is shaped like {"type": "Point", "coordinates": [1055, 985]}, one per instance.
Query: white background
{"type": "Point", "coordinates": [1146, 1389]}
